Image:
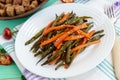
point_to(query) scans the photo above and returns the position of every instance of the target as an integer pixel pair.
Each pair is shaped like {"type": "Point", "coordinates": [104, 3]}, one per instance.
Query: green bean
{"type": "Point", "coordinates": [35, 49]}
{"type": "Point", "coordinates": [97, 37]}
{"type": "Point", "coordinates": [44, 54]}
{"type": "Point", "coordinates": [54, 24]}
{"type": "Point", "coordinates": [89, 23]}
{"type": "Point", "coordinates": [59, 60]}
{"type": "Point", "coordinates": [59, 65]}
{"type": "Point", "coordinates": [34, 37]}
{"type": "Point", "coordinates": [62, 57]}
{"type": "Point", "coordinates": [88, 28]}
{"type": "Point", "coordinates": [98, 32]}
{"type": "Point", "coordinates": [85, 20]}
{"type": "Point", "coordinates": [46, 47]}
{"type": "Point", "coordinates": [70, 17]}
{"type": "Point", "coordinates": [47, 52]}
{"type": "Point", "coordinates": [63, 22]}
{"type": "Point", "coordinates": [70, 20]}
{"type": "Point", "coordinates": [58, 32]}
{"type": "Point", "coordinates": [57, 19]}
{"type": "Point", "coordinates": [58, 23]}
{"type": "Point", "coordinates": [71, 58]}
{"type": "Point", "coordinates": [64, 47]}
{"type": "Point", "coordinates": [85, 17]}
{"type": "Point", "coordinates": [38, 53]}
{"type": "Point", "coordinates": [75, 42]}
{"type": "Point", "coordinates": [46, 62]}
{"type": "Point", "coordinates": [68, 55]}
{"type": "Point", "coordinates": [37, 42]}
{"type": "Point", "coordinates": [49, 56]}
{"type": "Point", "coordinates": [75, 21]}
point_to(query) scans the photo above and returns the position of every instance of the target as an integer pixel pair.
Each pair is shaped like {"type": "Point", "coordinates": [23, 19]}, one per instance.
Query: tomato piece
{"type": "Point", "coordinates": [5, 59]}
{"type": "Point", "coordinates": [67, 1]}
{"type": "Point", "coordinates": [7, 34]}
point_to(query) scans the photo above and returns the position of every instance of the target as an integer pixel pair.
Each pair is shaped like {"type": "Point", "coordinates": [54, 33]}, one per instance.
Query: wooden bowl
{"type": "Point", "coordinates": [26, 13]}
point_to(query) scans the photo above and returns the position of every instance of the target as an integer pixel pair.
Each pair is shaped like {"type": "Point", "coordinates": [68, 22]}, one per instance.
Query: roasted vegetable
{"type": "Point", "coordinates": [63, 39]}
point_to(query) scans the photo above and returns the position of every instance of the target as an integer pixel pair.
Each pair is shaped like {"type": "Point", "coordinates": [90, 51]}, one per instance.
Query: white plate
{"type": "Point", "coordinates": [89, 59]}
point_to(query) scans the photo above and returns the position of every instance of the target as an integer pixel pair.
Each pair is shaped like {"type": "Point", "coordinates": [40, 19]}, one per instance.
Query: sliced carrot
{"type": "Point", "coordinates": [51, 39]}
{"type": "Point", "coordinates": [62, 37]}
{"type": "Point", "coordinates": [58, 28]}
{"type": "Point", "coordinates": [74, 37]}
{"type": "Point", "coordinates": [84, 45]}
{"type": "Point", "coordinates": [91, 33]}
{"type": "Point", "coordinates": [54, 52]}
{"type": "Point", "coordinates": [80, 36]}
{"type": "Point", "coordinates": [47, 27]}
{"type": "Point", "coordinates": [59, 46]}
{"type": "Point", "coordinates": [78, 51]}
{"type": "Point", "coordinates": [85, 40]}
{"type": "Point", "coordinates": [64, 17]}
{"type": "Point", "coordinates": [61, 27]}
{"type": "Point", "coordinates": [54, 61]}
{"type": "Point", "coordinates": [66, 66]}
{"type": "Point", "coordinates": [83, 33]}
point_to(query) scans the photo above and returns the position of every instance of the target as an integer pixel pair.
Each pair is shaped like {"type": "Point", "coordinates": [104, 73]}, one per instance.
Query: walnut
{"type": "Point", "coordinates": [34, 4]}
{"type": "Point", "coordinates": [27, 8]}
{"type": "Point", "coordinates": [25, 2]}
{"type": "Point", "coordinates": [7, 5]}
{"type": "Point", "coordinates": [3, 1]}
{"type": "Point", "coordinates": [19, 9]}
{"type": "Point", "coordinates": [10, 11]}
{"type": "Point", "coordinates": [2, 6]}
{"type": "Point", "coordinates": [8, 1]}
{"type": "Point", "coordinates": [15, 2]}
{"type": "Point", "coordinates": [2, 12]}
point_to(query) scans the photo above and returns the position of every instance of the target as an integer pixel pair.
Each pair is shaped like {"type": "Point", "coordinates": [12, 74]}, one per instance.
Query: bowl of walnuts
{"type": "Point", "coordinates": [11, 9]}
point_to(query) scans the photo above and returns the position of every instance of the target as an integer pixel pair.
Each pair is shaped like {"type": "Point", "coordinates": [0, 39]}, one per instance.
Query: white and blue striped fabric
{"type": "Point", "coordinates": [104, 71]}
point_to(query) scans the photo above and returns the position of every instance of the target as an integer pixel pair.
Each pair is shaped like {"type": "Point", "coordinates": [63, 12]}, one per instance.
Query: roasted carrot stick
{"type": "Point", "coordinates": [51, 39]}
{"type": "Point", "coordinates": [61, 38]}
{"type": "Point", "coordinates": [64, 17]}
{"type": "Point", "coordinates": [58, 28]}
{"type": "Point", "coordinates": [54, 52]}
{"type": "Point", "coordinates": [47, 27]}
{"type": "Point", "coordinates": [74, 37]}
{"type": "Point", "coordinates": [59, 46]}
{"type": "Point", "coordinates": [80, 36]}
{"type": "Point", "coordinates": [54, 61]}
{"type": "Point", "coordinates": [85, 40]}
{"type": "Point", "coordinates": [66, 66]}
{"type": "Point", "coordinates": [61, 27]}
{"type": "Point", "coordinates": [83, 33]}
{"type": "Point", "coordinates": [91, 33]}
{"type": "Point", "coordinates": [78, 51]}
{"type": "Point", "coordinates": [84, 45]}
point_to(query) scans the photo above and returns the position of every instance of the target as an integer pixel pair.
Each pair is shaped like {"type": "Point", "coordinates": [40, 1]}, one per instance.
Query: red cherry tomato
{"type": "Point", "coordinates": [7, 34]}
{"type": "Point", "coordinates": [67, 1]}
{"type": "Point", "coordinates": [5, 59]}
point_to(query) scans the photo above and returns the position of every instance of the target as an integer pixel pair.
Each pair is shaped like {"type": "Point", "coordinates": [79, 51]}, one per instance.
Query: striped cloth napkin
{"type": "Point", "coordinates": [104, 71]}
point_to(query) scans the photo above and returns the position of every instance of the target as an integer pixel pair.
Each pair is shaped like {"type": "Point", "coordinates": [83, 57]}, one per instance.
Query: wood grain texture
{"type": "Point", "coordinates": [116, 56]}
